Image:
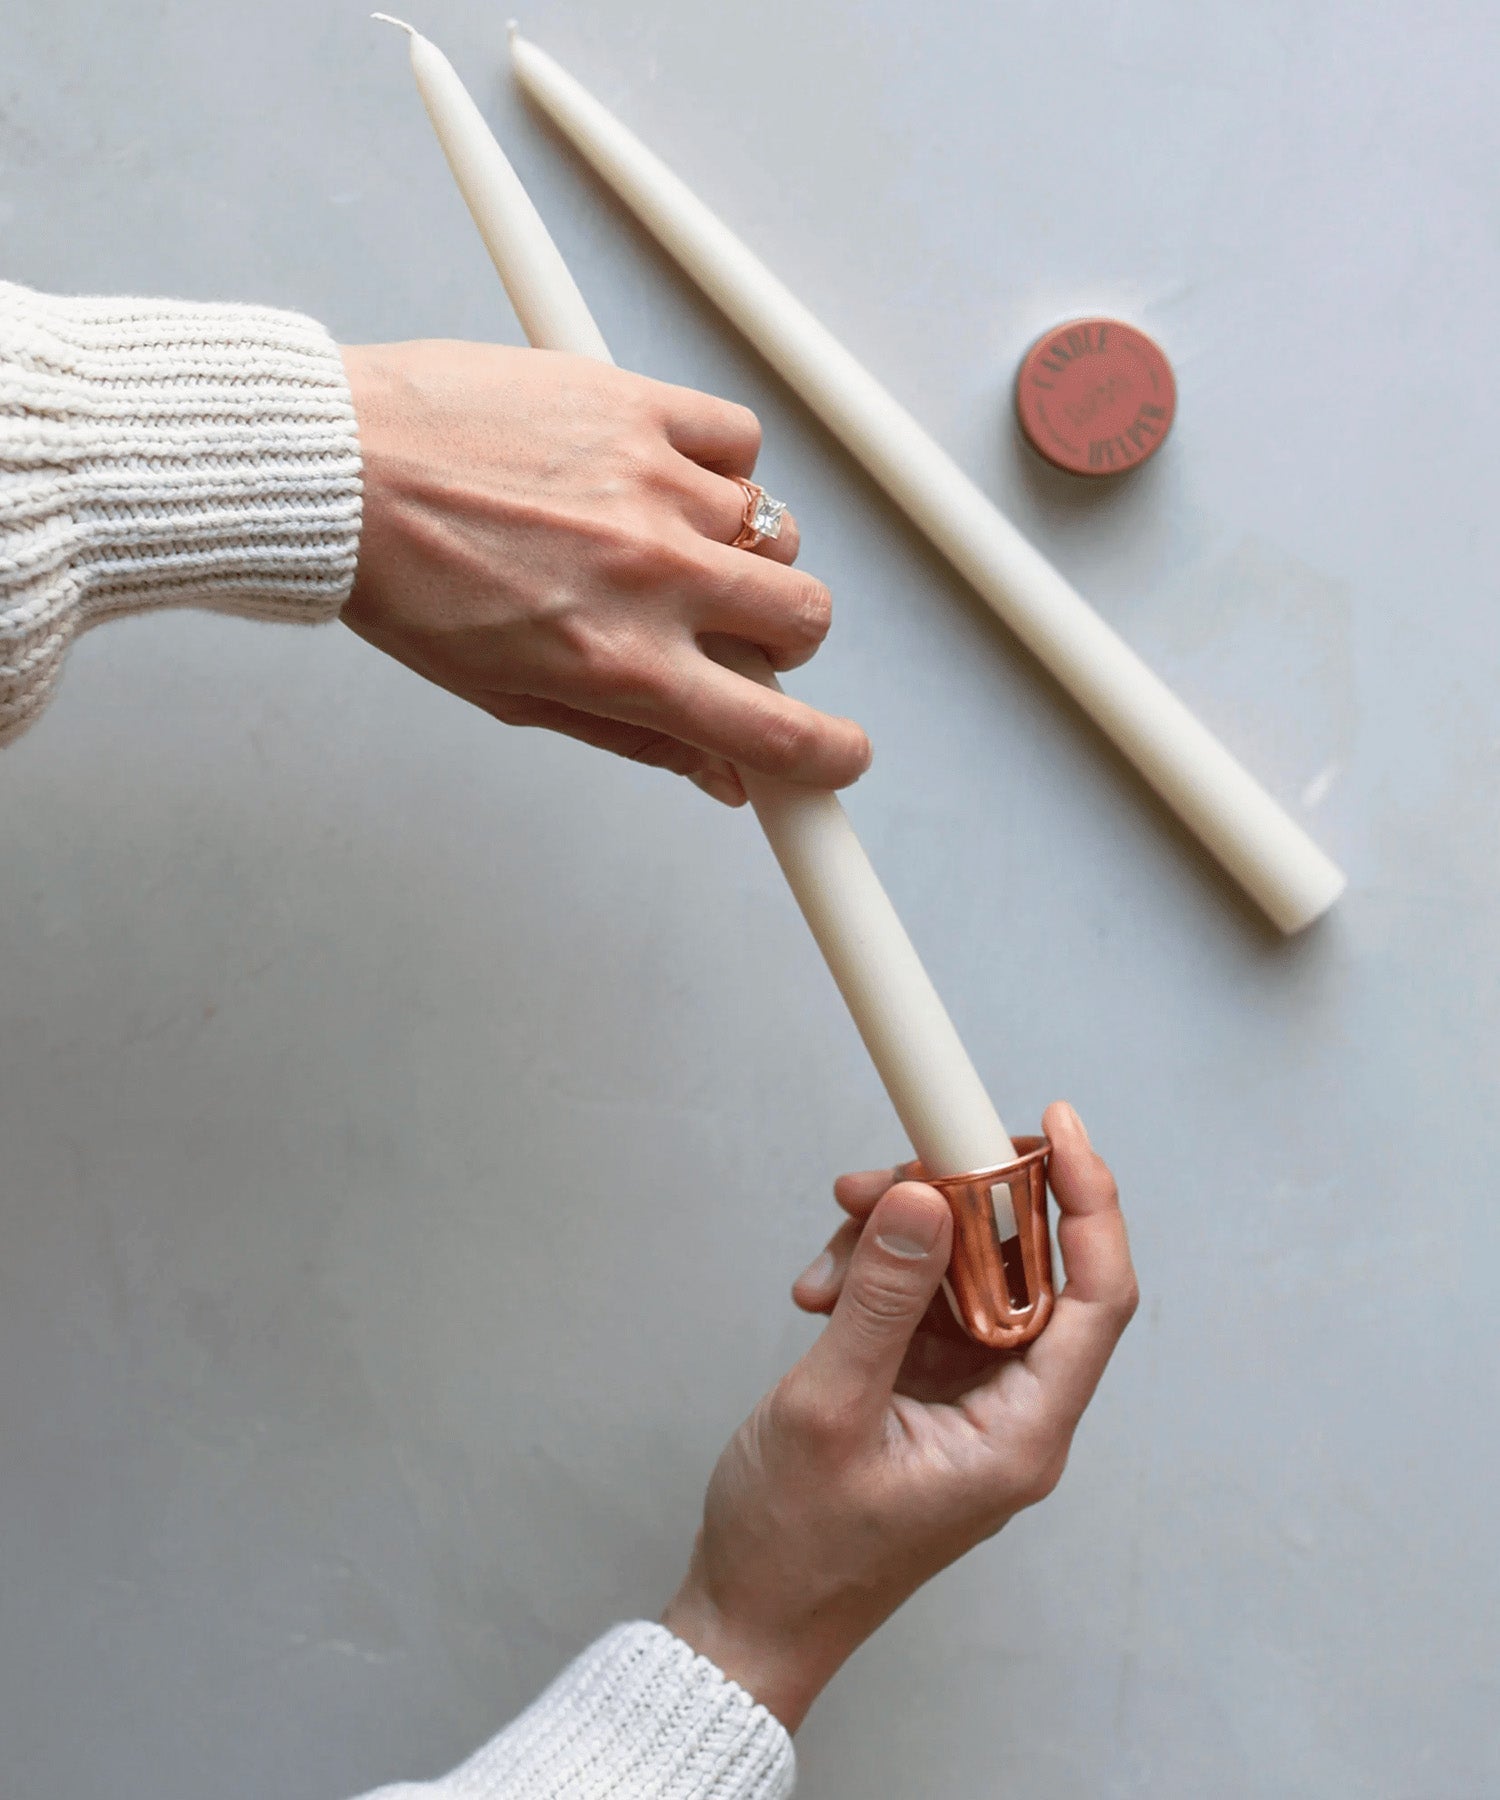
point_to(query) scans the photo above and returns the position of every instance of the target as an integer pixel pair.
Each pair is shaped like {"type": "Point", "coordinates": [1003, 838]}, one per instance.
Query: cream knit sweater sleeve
{"type": "Point", "coordinates": [157, 453]}
{"type": "Point", "coordinates": [162, 453]}
{"type": "Point", "coordinates": [638, 1716]}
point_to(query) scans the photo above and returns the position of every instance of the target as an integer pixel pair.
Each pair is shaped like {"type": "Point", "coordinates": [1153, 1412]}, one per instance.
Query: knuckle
{"type": "Point", "coordinates": [661, 475]}
{"type": "Point", "coordinates": [794, 1410]}
{"type": "Point", "coordinates": [510, 709]}
{"type": "Point", "coordinates": [684, 564]}
{"type": "Point", "coordinates": [1128, 1303]}
{"type": "Point", "coordinates": [742, 423]}
{"type": "Point", "coordinates": [633, 558]}
{"type": "Point", "coordinates": [802, 1410]}
{"type": "Point", "coordinates": [813, 607]}
{"type": "Point", "coordinates": [784, 738]}
{"type": "Point", "coordinates": [883, 1296]}
{"type": "Point", "coordinates": [1037, 1443]}
{"type": "Point", "coordinates": [632, 395]}
{"type": "Point", "coordinates": [636, 678]}
{"type": "Point", "coordinates": [1044, 1478]}
{"type": "Point", "coordinates": [652, 748]}
{"type": "Point", "coordinates": [610, 665]}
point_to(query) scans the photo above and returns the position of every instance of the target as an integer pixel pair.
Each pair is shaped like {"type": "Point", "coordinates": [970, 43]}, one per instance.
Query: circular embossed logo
{"type": "Point", "coordinates": [1095, 396]}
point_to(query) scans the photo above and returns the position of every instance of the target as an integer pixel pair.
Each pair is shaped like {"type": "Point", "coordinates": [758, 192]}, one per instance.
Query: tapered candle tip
{"type": "Point", "coordinates": [400, 24]}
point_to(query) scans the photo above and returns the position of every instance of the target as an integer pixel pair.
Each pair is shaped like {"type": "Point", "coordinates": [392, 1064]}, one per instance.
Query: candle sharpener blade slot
{"type": "Point", "coordinates": [1001, 1291]}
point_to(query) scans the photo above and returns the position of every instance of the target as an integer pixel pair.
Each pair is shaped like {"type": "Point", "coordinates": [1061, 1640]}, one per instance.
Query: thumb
{"type": "Point", "coordinates": [894, 1273]}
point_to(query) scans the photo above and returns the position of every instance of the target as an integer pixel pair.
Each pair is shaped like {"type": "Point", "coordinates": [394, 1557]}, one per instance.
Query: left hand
{"type": "Point", "coordinates": [896, 1444]}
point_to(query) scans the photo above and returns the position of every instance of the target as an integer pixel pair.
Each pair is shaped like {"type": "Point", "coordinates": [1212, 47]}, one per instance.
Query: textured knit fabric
{"type": "Point", "coordinates": [161, 453]}
{"type": "Point", "coordinates": [638, 1716]}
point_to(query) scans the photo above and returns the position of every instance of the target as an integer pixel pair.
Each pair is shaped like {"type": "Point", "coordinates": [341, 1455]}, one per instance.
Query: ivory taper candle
{"type": "Point", "coordinates": [950, 1119]}
{"type": "Point", "coordinates": [1256, 840]}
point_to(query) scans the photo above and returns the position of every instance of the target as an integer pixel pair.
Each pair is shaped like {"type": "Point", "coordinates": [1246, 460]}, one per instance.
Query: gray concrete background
{"type": "Point", "coordinates": [338, 1023]}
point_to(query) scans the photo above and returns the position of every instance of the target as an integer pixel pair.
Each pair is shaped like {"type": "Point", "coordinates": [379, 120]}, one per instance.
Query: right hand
{"type": "Point", "coordinates": [896, 1444]}
{"type": "Point", "coordinates": [548, 537]}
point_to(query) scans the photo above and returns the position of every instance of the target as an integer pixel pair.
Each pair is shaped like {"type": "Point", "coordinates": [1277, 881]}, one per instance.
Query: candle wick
{"type": "Point", "coordinates": [400, 24]}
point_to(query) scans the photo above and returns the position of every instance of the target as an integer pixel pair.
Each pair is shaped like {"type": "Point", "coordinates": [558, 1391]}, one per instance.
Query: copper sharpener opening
{"type": "Point", "coordinates": [1001, 1289]}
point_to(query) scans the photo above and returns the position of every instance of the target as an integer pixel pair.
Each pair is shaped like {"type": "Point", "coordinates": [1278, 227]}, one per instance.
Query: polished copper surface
{"type": "Point", "coordinates": [1001, 1290]}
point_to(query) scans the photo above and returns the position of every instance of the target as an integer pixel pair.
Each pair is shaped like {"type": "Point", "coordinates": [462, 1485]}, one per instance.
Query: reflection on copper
{"type": "Point", "coordinates": [1001, 1290]}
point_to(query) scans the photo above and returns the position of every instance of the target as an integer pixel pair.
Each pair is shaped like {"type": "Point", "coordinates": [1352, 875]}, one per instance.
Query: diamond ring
{"type": "Point", "coordinates": [762, 518]}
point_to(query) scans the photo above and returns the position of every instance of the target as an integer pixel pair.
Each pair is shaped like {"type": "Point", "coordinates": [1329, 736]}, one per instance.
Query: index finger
{"type": "Point", "coordinates": [764, 731]}
{"type": "Point", "coordinates": [720, 434]}
{"type": "Point", "coordinates": [1101, 1293]}
{"type": "Point", "coordinates": [858, 1192]}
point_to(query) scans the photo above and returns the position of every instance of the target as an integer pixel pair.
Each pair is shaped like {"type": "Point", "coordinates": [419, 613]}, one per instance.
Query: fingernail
{"type": "Point", "coordinates": [909, 1226]}
{"type": "Point", "coordinates": [818, 1273]}
{"type": "Point", "coordinates": [1078, 1124]}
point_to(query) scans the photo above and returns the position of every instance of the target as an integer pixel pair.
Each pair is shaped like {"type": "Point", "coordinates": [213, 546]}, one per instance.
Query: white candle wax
{"type": "Point", "coordinates": [544, 294]}
{"type": "Point", "coordinates": [1255, 839]}
{"type": "Point", "coordinates": [950, 1119]}
{"type": "Point", "coordinates": [934, 1087]}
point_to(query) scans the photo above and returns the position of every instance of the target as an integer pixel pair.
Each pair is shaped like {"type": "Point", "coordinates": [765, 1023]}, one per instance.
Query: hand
{"type": "Point", "coordinates": [897, 1443]}
{"type": "Point", "coordinates": [548, 537]}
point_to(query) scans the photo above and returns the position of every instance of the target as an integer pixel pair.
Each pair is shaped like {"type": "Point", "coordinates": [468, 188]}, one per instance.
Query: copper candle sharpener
{"type": "Point", "coordinates": [1001, 1289]}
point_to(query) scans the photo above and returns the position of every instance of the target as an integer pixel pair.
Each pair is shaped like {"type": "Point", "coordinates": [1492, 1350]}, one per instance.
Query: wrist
{"type": "Point", "coordinates": [364, 372]}
{"type": "Point", "coordinates": [784, 1668]}
{"type": "Point", "coordinates": [374, 392]}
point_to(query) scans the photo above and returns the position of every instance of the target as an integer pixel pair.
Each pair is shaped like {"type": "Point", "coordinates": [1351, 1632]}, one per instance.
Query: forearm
{"type": "Point", "coordinates": [637, 1717]}
{"type": "Point", "coordinates": [159, 453]}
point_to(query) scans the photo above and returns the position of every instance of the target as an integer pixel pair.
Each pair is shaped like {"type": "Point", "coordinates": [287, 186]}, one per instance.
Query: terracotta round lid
{"type": "Point", "coordinates": [1095, 396]}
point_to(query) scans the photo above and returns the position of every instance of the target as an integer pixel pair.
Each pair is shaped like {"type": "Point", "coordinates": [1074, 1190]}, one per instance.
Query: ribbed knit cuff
{"type": "Point", "coordinates": [639, 1716]}
{"type": "Point", "coordinates": [160, 453]}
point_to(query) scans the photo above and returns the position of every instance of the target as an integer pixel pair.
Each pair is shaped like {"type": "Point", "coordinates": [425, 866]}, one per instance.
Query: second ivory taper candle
{"type": "Point", "coordinates": [1255, 839]}
{"type": "Point", "coordinates": [934, 1087]}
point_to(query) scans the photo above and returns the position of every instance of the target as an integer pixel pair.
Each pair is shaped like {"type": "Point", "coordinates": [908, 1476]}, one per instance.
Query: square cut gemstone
{"type": "Point", "coordinates": [766, 519]}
